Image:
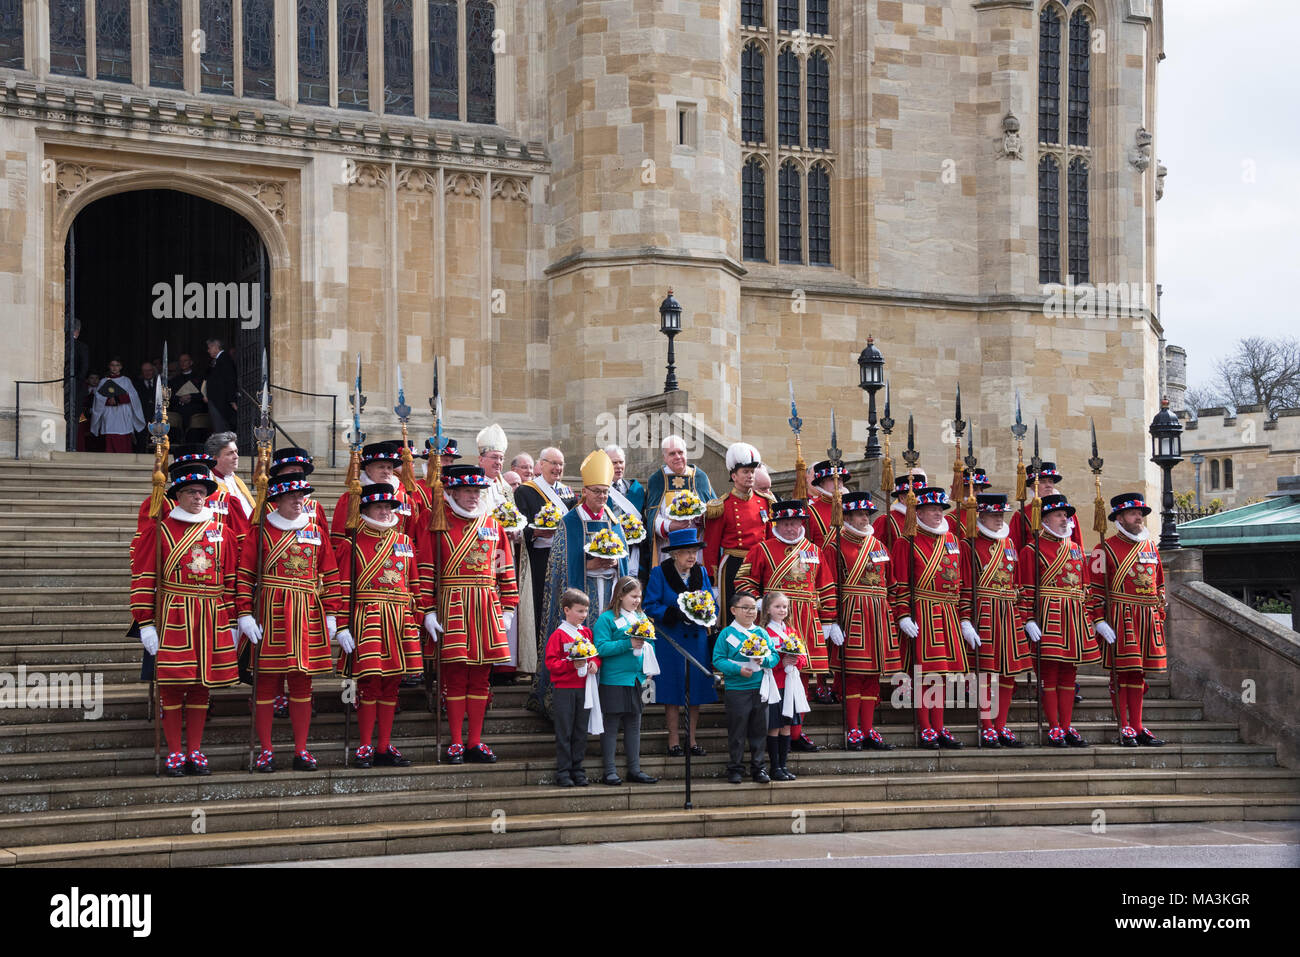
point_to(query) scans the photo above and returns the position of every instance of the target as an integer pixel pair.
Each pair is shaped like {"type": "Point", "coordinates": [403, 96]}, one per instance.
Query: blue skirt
{"type": "Point", "coordinates": [670, 683]}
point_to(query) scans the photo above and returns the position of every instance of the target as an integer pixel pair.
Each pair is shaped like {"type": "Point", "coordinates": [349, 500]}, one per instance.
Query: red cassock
{"type": "Point", "coordinates": [1064, 597]}
{"type": "Point", "coordinates": [409, 510]}
{"type": "Point", "coordinates": [390, 602]}
{"type": "Point", "coordinates": [888, 527]}
{"type": "Point", "coordinates": [934, 567]}
{"type": "Point", "coordinates": [195, 642]}
{"type": "Point", "coordinates": [872, 644]}
{"type": "Point", "coordinates": [1020, 535]}
{"type": "Point", "coordinates": [819, 518]}
{"type": "Point", "coordinates": [300, 586]}
{"type": "Point", "coordinates": [739, 525]}
{"type": "Point", "coordinates": [475, 581]}
{"type": "Point", "coordinates": [1133, 603]}
{"type": "Point", "coordinates": [1002, 608]}
{"type": "Point", "coordinates": [808, 580]}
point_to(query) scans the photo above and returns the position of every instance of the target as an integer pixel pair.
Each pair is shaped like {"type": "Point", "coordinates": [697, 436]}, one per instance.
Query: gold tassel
{"type": "Point", "coordinates": [353, 481]}
{"type": "Point", "coordinates": [1099, 512]}
{"type": "Point", "coordinates": [261, 479]}
{"type": "Point", "coordinates": [158, 495]}
{"type": "Point", "coordinates": [837, 506]}
{"type": "Point", "coordinates": [887, 477]}
{"type": "Point", "coordinates": [407, 473]}
{"type": "Point", "coordinates": [1036, 514]}
{"type": "Point", "coordinates": [909, 521]}
{"type": "Point", "coordinates": [1021, 488]}
{"type": "Point", "coordinates": [800, 472]}
{"type": "Point", "coordinates": [438, 513]}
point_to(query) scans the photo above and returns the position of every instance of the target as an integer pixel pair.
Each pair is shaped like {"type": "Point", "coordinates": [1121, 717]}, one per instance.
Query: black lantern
{"type": "Point", "coordinates": [1166, 452]}
{"type": "Point", "coordinates": [871, 376]}
{"type": "Point", "coordinates": [670, 324]}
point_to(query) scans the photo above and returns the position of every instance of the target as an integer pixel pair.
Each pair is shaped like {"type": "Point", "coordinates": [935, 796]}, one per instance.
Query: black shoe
{"type": "Point", "coordinates": [1145, 737]}
{"type": "Point", "coordinates": [1056, 739]}
{"type": "Point", "coordinates": [698, 750]}
{"type": "Point", "coordinates": [362, 759]}
{"type": "Point", "coordinates": [803, 743]}
{"type": "Point", "coordinates": [480, 754]}
{"type": "Point", "coordinates": [580, 779]}
{"type": "Point", "coordinates": [174, 766]}
{"type": "Point", "coordinates": [612, 779]}
{"type": "Point", "coordinates": [735, 777]}
{"type": "Point", "coordinates": [455, 754]}
{"type": "Point", "coordinates": [946, 740]}
{"type": "Point", "coordinates": [929, 743]}
{"type": "Point", "coordinates": [989, 739]}
{"type": "Point", "coordinates": [1007, 738]}
{"type": "Point", "coordinates": [1074, 739]}
{"type": "Point", "coordinates": [563, 781]}
{"type": "Point", "coordinates": [265, 762]}
{"type": "Point", "coordinates": [640, 777]}
{"type": "Point", "coordinates": [304, 761]}
{"type": "Point", "coordinates": [392, 758]}
{"type": "Point", "coordinates": [1126, 742]}
{"type": "Point", "coordinates": [676, 751]}
{"type": "Point", "coordinates": [197, 763]}
{"type": "Point", "coordinates": [876, 743]}
{"type": "Point", "coordinates": [760, 777]}
{"type": "Point", "coordinates": [781, 774]}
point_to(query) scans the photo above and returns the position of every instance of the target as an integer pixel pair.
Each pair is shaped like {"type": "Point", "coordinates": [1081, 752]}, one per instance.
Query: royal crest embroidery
{"type": "Point", "coordinates": [296, 564]}
{"type": "Point", "coordinates": [199, 562]}
{"type": "Point", "coordinates": [390, 576]}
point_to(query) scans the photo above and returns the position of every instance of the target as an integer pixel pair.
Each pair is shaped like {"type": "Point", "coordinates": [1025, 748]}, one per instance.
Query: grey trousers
{"type": "Point", "coordinates": [631, 723]}
{"type": "Point", "coordinates": [570, 729]}
{"type": "Point", "coordinates": [746, 721]}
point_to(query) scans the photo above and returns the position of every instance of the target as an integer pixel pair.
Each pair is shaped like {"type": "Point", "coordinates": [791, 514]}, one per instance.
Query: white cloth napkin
{"type": "Point", "coordinates": [768, 691]}
{"type": "Point", "coordinates": [649, 663]}
{"type": "Point", "coordinates": [596, 721]}
{"type": "Point", "coordinates": [796, 702]}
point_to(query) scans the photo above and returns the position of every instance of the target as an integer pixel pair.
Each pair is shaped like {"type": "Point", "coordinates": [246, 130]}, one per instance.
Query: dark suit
{"type": "Point", "coordinates": [147, 390]}
{"type": "Point", "coordinates": [223, 389]}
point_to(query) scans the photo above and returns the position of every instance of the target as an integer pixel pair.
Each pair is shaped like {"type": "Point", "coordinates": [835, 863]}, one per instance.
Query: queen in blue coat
{"type": "Point", "coordinates": [679, 573]}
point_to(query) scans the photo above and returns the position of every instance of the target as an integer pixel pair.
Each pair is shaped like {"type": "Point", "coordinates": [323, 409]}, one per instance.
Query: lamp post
{"type": "Point", "coordinates": [670, 324]}
{"type": "Point", "coordinates": [1197, 461]}
{"type": "Point", "coordinates": [871, 376]}
{"type": "Point", "coordinates": [1166, 452]}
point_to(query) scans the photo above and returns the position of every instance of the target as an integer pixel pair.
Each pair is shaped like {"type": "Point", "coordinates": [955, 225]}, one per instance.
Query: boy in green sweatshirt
{"type": "Point", "coordinates": [746, 710]}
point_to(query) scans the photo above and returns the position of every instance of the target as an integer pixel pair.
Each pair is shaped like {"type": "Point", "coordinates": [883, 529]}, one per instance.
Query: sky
{"type": "Point", "coordinates": [1228, 129]}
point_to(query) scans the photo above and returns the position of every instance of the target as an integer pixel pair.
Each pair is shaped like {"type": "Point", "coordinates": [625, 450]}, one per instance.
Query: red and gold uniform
{"type": "Point", "coordinates": [819, 517]}
{"type": "Point", "coordinates": [733, 525]}
{"type": "Point", "coordinates": [889, 526]}
{"type": "Point", "coordinates": [299, 588]}
{"type": "Point", "coordinates": [196, 628]}
{"type": "Point", "coordinates": [998, 610]}
{"type": "Point", "coordinates": [1020, 533]}
{"type": "Point", "coordinates": [1064, 587]}
{"type": "Point", "coordinates": [1131, 599]}
{"type": "Point", "coordinates": [407, 508]}
{"type": "Point", "coordinates": [872, 646]}
{"type": "Point", "coordinates": [384, 621]}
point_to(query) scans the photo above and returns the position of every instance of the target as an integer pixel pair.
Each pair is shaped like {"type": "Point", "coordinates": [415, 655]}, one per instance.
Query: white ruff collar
{"type": "Point", "coordinates": [377, 524]}
{"type": "Point", "coordinates": [939, 530]}
{"type": "Point", "coordinates": [1000, 534]}
{"type": "Point", "coordinates": [1063, 536]}
{"type": "Point", "coordinates": [1134, 538]}
{"type": "Point", "coordinates": [480, 510]}
{"type": "Point", "coordinates": [202, 515]}
{"type": "Point", "coordinates": [852, 532]}
{"type": "Point", "coordinates": [789, 541]}
{"type": "Point", "coordinates": [286, 525]}
{"type": "Point", "coordinates": [898, 507]}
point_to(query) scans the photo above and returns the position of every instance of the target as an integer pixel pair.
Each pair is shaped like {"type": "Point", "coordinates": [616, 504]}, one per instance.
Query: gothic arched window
{"type": "Point", "coordinates": [1227, 473]}
{"type": "Point", "coordinates": [444, 60]}
{"type": "Point", "coordinates": [1077, 213]}
{"type": "Point", "coordinates": [819, 21]}
{"type": "Point", "coordinates": [1064, 155]}
{"type": "Point", "coordinates": [787, 97]}
{"type": "Point", "coordinates": [480, 62]}
{"type": "Point", "coordinates": [819, 102]}
{"type": "Point", "coordinates": [1049, 220]}
{"type": "Point", "coordinates": [751, 12]}
{"type": "Point", "coordinates": [752, 127]}
{"type": "Point", "coordinates": [399, 58]}
{"type": "Point", "coordinates": [354, 54]}
{"type": "Point", "coordinates": [113, 41]}
{"type": "Point", "coordinates": [259, 48]}
{"type": "Point", "coordinates": [313, 53]}
{"type": "Point", "coordinates": [791, 235]}
{"type": "Point", "coordinates": [1049, 75]}
{"type": "Point", "coordinates": [1080, 77]}
{"type": "Point", "coordinates": [787, 14]}
{"type": "Point", "coordinates": [819, 216]}
{"type": "Point", "coordinates": [754, 202]}
{"type": "Point", "coordinates": [11, 34]}
{"type": "Point", "coordinates": [1214, 474]}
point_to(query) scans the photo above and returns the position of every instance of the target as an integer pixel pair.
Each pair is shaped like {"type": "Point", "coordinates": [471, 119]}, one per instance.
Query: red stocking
{"type": "Point", "coordinates": [1049, 675]}
{"type": "Point", "coordinates": [1135, 690]}
{"type": "Point", "coordinates": [173, 697]}
{"type": "Point", "coordinates": [387, 710]}
{"type": "Point", "coordinates": [870, 697]}
{"type": "Point", "coordinates": [454, 676]}
{"type": "Point", "coordinates": [1006, 688]}
{"type": "Point", "coordinates": [300, 708]}
{"type": "Point", "coordinates": [853, 699]}
{"type": "Point", "coordinates": [367, 694]}
{"type": "Point", "coordinates": [196, 715]}
{"type": "Point", "coordinates": [1065, 676]}
{"type": "Point", "coordinates": [476, 700]}
{"type": "Point", "coordinates": [263, 701]}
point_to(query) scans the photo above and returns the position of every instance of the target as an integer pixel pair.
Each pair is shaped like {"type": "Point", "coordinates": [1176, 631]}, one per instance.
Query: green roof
{"type": "Point", "coordinates": [1272, 522]}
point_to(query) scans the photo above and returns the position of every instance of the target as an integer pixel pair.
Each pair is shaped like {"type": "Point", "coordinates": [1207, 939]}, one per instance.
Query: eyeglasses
{"type": "Point", "coordinates": [746, 608]}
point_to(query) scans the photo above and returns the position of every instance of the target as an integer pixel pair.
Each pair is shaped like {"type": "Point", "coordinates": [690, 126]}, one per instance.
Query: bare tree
{"type": "Point", "coordinates": [1260, 371]}
{"type": "Point", "coordinates": [1202, 396]}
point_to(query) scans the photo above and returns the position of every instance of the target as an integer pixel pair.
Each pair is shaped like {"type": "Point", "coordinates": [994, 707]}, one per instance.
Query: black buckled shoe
{"type": "Point", "coordinates": [781, 774]}
{"type": "Point", "coordinates": [197, 763]}
{"type": "Point", "coordinates": [392, 758]}
{"type": "Point", "coordinates": [612, 779]}
{"type": "Point", "coordinates": [676, 751]}
{"type": "Point", "coordinates": [855, 738]}
{"type": "Point", "coordinates": [805, 744]}
{"type": "Point", "coordinates": [946, 740]}
{"type": "Point", "coordinates": [304, 761]}
{"type": "Point", "coordinates": [480, 754]}
{"type": "Point", "coordinates": [760, 776]}
{"type": "Point", "coordinates": [563, 781]}
{"type": "Point", "coordinates": [698, 750]}
{"type": "Point", "coordinates": [1145, 737]}
{"type": "Point", "coordinates": [1007, 738]}
{"type": "Point", "coordinates": [876, 743]}
{"type": "Point", "coordinates": [1055, 738]}
{"type": "Point", "coordinates": [265, 762]}
{"type": "Point", "coordinates": [580, 779]}
{"type": "Point", "coordinates": [1127, 737]}
{"type": "Point", "coordinates": [930, 739]}
{"type": "Point", "coordinates": [640, 777]}
{"type": "Point", "coordinates": [362, 759]}
{"type": "Point", "coordinates": [174, 766]}
{"type": "Point", "coordinates": [455, 754]}
{"type": "Point", "coordinates": [1074, 739]}
{"type": "Point", "coordinates": [735, 777]}
{"type": "Point", "coordinates": [989, 739]}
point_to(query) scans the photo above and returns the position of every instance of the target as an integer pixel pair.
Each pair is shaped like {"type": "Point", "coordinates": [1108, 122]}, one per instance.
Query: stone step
{"type": "Point", "coordinates": [64, 535]}
{"type": "Point", "coordinates": [64, 596]}
{"type": "Point", "coordinates": [541, 746]}
{"type": "Point", "coordinates": [323, 802]}
{"type": "Point", "coordinates": [766, 809]}
{"type": "Point", "coordinates": [824, 725]}
{"type": "Point", "coordinates": [107, 574]}
{"type": "Point", "coordinates": [96, 558]}
{"type": "Point", "coordinates": [113, 517]}
{"type": "Point", "coordinates": [102, 610]}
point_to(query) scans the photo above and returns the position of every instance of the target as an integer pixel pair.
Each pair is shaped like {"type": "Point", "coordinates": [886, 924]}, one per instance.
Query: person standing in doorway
{"type": "Point", "coordinates": [223, 389]}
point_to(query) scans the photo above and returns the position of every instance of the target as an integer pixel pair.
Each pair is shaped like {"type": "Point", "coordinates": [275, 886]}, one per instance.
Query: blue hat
{"type": "Point", "coordinates": [683, 538]}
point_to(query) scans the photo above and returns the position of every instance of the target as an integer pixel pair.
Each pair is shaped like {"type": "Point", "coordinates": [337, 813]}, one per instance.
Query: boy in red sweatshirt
{"type": "Point", "coordinates": [569, 681]}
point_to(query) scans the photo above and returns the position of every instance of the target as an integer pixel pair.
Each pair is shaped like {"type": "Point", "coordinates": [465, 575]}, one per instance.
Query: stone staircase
{"type": "Point", "coordinates": [82, 792]}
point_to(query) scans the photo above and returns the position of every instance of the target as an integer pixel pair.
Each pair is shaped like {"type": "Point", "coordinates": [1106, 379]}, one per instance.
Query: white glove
{"type": "Point", "coordinates": [431, 625]}
{"type": "Point", "coordinates": [345, 641]}
{"type": "Point", "coordinates": [507, 618]}
{"type": "Point", "coordinates": [1106, 632]}
{"type": "Point", "coordinates": [833, 633]}
{"type": "Point", "coordinates": [234, 638]}
{"type": "Point", "coordinates": [331, 626]}
{"type": "Point", "coordinates": [582, 670]}
{"type": "Point", "coordinates": [250, 629]}
{"type": "Point", "coordinates": [908, 627]}
{"type": "Point", "coordinates": [1033, 631]}
{"type": "Point", "coordinates": [971, 635]}
{"type": "Point", "coordinates": [149, 638]}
